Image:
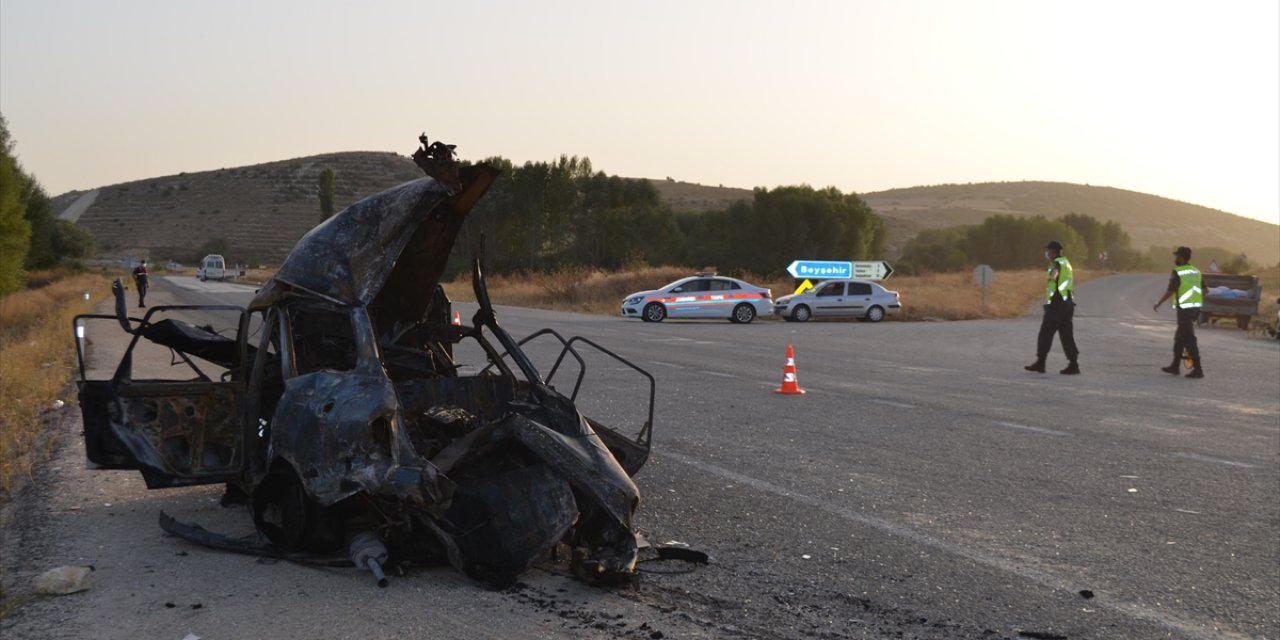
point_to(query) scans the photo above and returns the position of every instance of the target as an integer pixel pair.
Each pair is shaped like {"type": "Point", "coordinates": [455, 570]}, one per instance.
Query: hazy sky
{"type": "Point", "coordinates": [1174, 98]}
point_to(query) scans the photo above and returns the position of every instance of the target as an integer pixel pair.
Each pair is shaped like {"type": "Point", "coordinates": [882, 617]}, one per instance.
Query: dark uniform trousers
{"type": "Point", "coordinates": [1057, 319]}
{"type": "Point", "coordinates": [1185, 337]}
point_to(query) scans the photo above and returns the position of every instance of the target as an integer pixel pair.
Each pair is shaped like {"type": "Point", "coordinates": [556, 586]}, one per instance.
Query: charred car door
{"type": "Point", "coordinates": [181, 424]}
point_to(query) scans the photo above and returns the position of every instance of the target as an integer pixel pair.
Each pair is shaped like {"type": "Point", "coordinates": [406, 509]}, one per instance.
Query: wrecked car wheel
{"type": "Point", "coordinates": [289, 519]}
{"type": "Point", "coordinates": [655, 312]}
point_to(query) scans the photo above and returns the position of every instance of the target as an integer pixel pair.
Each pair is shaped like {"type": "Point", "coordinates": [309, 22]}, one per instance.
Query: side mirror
{"type": "Point", "coordinates": [677, 290]}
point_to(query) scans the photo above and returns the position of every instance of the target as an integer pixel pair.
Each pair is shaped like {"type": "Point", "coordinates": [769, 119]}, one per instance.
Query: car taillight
{"type": "Point", "coordinates": [768, 295]}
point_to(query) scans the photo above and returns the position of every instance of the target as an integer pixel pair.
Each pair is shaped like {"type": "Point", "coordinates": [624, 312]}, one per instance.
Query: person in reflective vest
{"type": "Point", "coordinates": [1059, 307]}
{"type": "Point", "coordinates": [1186, 287]}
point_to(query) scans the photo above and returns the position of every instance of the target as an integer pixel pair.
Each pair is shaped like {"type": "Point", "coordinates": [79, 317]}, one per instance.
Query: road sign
{"type": "Point", "coordinates": [983, 275]}
{"type": "Point", "coordinates": [804, 286]}
{"type": "Point", "coordinates": [824, 269]}
{"type": "Point", "coordinates": [872, 270]}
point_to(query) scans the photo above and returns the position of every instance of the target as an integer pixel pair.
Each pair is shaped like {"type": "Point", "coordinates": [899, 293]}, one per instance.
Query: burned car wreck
{"type": "Point", "coordinates": [338, 410]}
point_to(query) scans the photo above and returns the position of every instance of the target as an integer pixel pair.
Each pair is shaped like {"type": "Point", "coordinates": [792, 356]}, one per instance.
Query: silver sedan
{"type": "Point", "coordinates": [862, 300]}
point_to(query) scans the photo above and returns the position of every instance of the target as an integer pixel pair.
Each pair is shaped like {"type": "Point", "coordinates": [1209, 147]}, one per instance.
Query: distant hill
{"type": "Point", "coordinates": [262, 210]}
{"type": "Point", "coordinates": [1149, 220]}
{"type": "Point", "coordinates": [690, 196]}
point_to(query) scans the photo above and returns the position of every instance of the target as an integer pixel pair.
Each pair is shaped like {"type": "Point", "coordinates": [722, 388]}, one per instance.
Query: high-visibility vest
{"type": "Point", "coordinates": [1190, 291]}
{"type": "Point", "coordinates": [1062, 285]}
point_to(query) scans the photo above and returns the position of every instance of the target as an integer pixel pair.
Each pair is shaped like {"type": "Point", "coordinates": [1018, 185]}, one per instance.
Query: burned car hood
{"type": "Point", "coordinates": [386, 251]}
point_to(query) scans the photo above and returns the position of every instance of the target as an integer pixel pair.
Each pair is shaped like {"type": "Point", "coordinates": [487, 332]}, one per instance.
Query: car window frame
{"type": "Point", "coordinates": [820, 292]}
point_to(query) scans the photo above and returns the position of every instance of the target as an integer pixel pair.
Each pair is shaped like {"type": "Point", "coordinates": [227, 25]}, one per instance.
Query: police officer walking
{"type": "Point", "coordinates": [141, 278]}
{"type": "Point", "coordinates": [1059, 307]}
{"type": "Point", "coordinates": [1187, 285]}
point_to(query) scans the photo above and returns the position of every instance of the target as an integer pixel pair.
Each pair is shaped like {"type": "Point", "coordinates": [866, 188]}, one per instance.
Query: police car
{"type": "Point", "coordinates": [705, 295]}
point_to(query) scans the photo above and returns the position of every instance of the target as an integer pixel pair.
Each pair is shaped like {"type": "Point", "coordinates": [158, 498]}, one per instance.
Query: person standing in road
{"type": "Point", "coordinates": [140, 277]}
{"type": "Point", "coordinates": [1188, 285]}
{"type": "Point", "coordinates": [1059, 307]}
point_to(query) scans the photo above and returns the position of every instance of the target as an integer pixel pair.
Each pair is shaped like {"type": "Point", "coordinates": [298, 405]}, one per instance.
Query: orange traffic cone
{"type": "Point", "coordinates": [457, 319]}
{"type": "Point", "coordinates": [790, 386]}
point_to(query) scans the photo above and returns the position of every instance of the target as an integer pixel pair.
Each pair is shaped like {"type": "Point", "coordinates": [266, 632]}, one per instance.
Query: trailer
{"type": "Point", "coordinates": [1230, 296]}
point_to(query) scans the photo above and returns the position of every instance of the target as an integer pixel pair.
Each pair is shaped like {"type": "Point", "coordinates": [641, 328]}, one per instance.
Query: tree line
{"type": "Point", "coordinates": [1013, 242]}
{"type": "Point", "coordinates": [543, 216]}
{"type": "Point", "coordinates": [30, 236]}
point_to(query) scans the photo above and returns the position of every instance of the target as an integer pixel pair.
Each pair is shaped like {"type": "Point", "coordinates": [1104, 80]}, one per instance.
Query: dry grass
{"type": "Point", "coordinates": [955, 296]}
{"type": "Point", "coordinates": [582, 290]}
{"type": "Point", "coordinates": [37, 360]}
{"type": "Point", "coordinates": [947, 296]}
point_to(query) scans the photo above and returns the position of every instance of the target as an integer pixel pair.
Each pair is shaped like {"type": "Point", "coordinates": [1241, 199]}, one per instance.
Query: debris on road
{"type": "Point", "coordinates": [61, 581]}
{"type": "Point", "coordinates": [338, 410]}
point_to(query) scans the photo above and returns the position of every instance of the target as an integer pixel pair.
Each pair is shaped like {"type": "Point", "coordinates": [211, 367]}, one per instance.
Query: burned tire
{"type": "Point", "coordinates": [743, 314]}
{"type": "Point", "coordinates": [875, 313]}
{"type": "Point", "coordinates": [288, 518]}
{"type": "Point", "coordinates": [801, 313]}
{"type": "Point", "coordinates": [655, 312]}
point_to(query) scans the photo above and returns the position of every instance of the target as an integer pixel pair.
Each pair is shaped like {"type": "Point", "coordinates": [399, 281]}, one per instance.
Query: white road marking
{"type": "Point", "coordinates": [1199, 458]}
{"type": "Point", "coordinates": [1047, 432]}
{"type": "Point", "coordinates": [1000, 563]}
{"type": "Point", "coordinates": [668, 364]}
{"type": "Point", "coordinates": [891, 403]}
{"type": "Point", "coordinates": [719, 375]}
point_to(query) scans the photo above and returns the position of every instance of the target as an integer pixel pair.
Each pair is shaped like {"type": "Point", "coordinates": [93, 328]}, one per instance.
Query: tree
{"type": "Point", "coordinates": [70, 241]}
{"type": "Point", "coordinates": [787, 223]}
{"type": "Point", "coordinates": [935, 250]}
{"type": "Point", "coordinates": [15, 231]}
{"type": "Point", "coordinates": [39, 215]}
{"type": "Point", "coordinates": [1011, 242]}
{"type": "Point", "coordinates": [327, 186]}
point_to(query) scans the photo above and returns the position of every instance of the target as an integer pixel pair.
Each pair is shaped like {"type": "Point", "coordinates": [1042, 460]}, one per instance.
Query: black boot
{"type": "Point", "coordinates": [1196, 373]}
{"type": "Point", "coordinates": [1072, 369]}
{"type": "Point", "coordinates": [1036, 367]}
{"type": "Point", "coordinates": [1173, 368]}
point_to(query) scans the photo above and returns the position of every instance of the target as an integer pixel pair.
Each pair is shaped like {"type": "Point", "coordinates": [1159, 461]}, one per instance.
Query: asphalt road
{"type": "Point", "coordinates": [925, 486]}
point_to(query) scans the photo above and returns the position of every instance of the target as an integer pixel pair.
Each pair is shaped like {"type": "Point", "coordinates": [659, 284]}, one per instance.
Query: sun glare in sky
{"type": "Point", "coordinates": [1175, 99]}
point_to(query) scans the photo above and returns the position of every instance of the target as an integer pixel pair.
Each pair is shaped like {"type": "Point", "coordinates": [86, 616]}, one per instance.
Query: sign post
{"type": "Point", "coordinates": [983, 275]}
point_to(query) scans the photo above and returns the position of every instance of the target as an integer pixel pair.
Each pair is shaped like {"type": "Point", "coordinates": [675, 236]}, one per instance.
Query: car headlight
{"type": "Point", "coordinates": [633, 300]}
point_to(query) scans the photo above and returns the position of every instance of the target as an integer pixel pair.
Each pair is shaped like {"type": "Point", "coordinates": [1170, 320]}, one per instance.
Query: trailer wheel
{"type": "Point", "coordinates": [1242, 322]}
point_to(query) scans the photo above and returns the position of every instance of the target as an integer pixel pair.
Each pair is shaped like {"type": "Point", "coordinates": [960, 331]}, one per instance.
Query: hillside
{"type": "Point", "coordinates": [262, 210]}
{"type": "Point", "coordinates": [1149, 220]}
{"type": "Point", "coordinates": [690, 196]}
